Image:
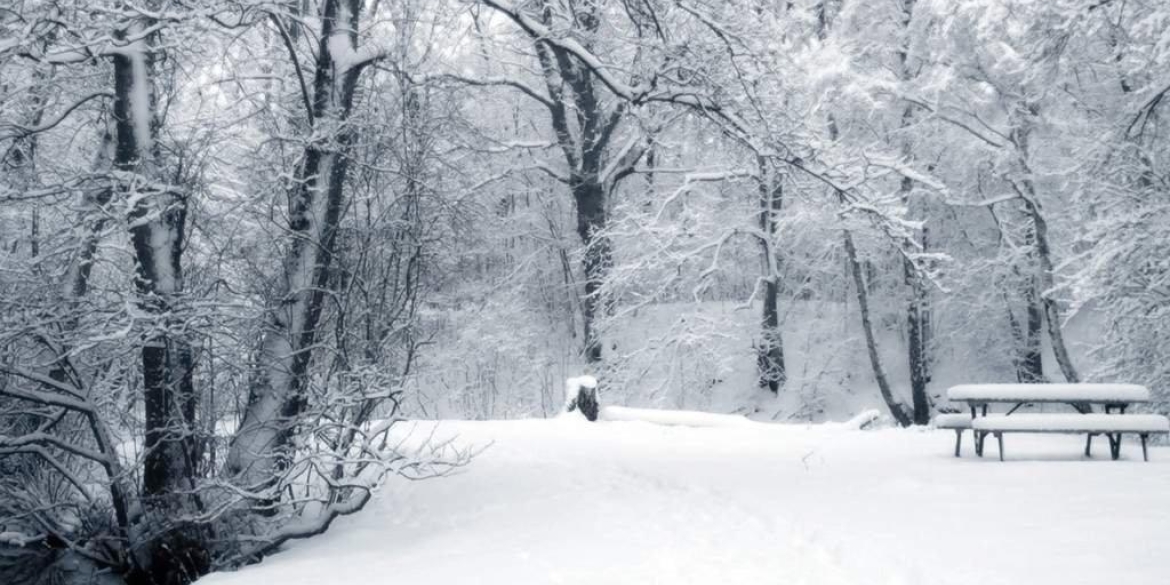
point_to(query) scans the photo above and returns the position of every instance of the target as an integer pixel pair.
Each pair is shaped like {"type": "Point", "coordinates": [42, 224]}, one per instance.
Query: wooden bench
{"type": "Point", "coordinates": [1114, 398]}
{"type": "Point", "coordinates": [957, 422]}
{"type": "Point", "coordinates": [1112, 426]}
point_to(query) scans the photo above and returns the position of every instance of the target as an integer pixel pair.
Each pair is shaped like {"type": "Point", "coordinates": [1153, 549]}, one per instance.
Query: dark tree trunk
{"type": "Point", "coordinates": [858, 272]}
{"type": "Point", "coordinates": [591, 219]}
{"type": "Point", "coordinates": [157, 235]}
{"type": "Point", "coordinates": [917, 350]}
{"type": "Point", "coordinates": [770, 353]}
{"type": "Point", "coordinates": [879, 373]}
{"type": "Point", "coordinates": [278, 391]}
{"type": "Point", "coordinates": [1045, 270]}
{"type": "Point", "coordinates": [173, 551]}
{"type": "Point", "coordinates": [916, 344]}
{"type": "Point", "coordinates": [1047, 282]}
{"type": "Point", "coordinates": [1032, 360]}
{"type": "Point", "coordinates": [916, 309]}
{"type": "Point", "coordinates": [583, 129]}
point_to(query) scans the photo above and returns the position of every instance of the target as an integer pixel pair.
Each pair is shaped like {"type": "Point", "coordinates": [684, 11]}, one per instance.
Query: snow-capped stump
{"type": "Point", "coordinates": [581, 394]}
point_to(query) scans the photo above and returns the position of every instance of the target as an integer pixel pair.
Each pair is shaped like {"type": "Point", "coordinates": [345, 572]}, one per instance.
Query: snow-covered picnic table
{"type": "Point", "coordinates": [1111, 396]}
{"type": "Point", "coordinates": [1115, 398]}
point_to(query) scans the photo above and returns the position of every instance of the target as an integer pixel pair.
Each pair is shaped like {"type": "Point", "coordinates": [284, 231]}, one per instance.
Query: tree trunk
{"type": "Point", "coordinates": [854, 267]}
{"type": "Point", "coordinates": [591, 219]}
{"type": "Point", "coordinates": [171, 552]}
{"type": "Point", "coordinates": [583, 131]}
{"type": "Point", "coordinates": [916, 344]}
{"type": "Point", "coordinates": [770, 353]}
{"type": "Point", "coordinates": [879, 373]}
{"type": "Point", "coordinates": [1047, 282]}
{"type": "Point", "coordinates": [1032, 364]}
{"type": "Point", "coordinates": [278, 390]}
{"type": "Point", "coordinates": [1045, 270]}
{"type": "Point", "coordinates": [916, 309]}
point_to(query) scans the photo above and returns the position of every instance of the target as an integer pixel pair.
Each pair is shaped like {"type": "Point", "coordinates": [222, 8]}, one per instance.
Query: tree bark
{"type": "Point", "coordinates": [592, 215]}
{"type": "Point", "coordinates": [1052, 313]}
{"type": "Point", "coordinates": [1032, 362]}
{"type": "Point", "coordinates": [879, 373]}
{"type": "Point", "coordinates": [583, 130]}
{"type": "Point", "coordinates": [917, 307]}
{"type": "Point", "coordinates": [170, 552]}
{"type": "Point", "coordinates": [770, 353]}
{"type": "Point", "coordinates": [1045, 269]}
{"type": "Point", "coordinates": [278, 390]}
{"type": "Point", "coordinates": [916, 344]}
{"type": "Point", "coordinates": [857, 271]}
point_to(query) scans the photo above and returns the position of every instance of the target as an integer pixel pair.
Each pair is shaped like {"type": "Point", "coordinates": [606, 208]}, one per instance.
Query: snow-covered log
{"type": "Point", "coordinates": [682, 418]}
{"type": "Point", "coordinates": [696, 419]}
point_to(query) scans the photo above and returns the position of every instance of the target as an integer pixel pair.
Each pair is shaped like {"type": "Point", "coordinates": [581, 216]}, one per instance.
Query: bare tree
{"type": "Point", "coordinates": [585, 126]}
{"type": "Point", "coordinates": [316, 199]}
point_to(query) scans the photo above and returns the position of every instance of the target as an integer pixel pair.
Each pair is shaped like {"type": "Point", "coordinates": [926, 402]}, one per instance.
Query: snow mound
{"type": "Point", "coordinates": [695, 419]}
{"type": "Point", "coordinates": [685, 418]}
{"type": "Point", "coordinates": [952, 421]}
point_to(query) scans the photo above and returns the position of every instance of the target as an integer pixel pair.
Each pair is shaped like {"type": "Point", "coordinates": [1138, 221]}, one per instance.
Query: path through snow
{"type": "Point", "coordinates": [562, 501]}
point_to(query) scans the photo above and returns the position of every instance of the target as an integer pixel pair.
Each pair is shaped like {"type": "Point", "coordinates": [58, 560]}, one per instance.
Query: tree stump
{"type": "Point", "coordinates": [581, 394]}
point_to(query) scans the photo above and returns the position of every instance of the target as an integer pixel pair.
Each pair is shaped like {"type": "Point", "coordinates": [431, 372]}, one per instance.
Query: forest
{"type": "Point", "coordinates": [241, 240]}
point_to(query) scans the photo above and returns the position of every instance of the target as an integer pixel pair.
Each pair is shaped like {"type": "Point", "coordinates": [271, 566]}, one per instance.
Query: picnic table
{"type": "Point", "coordinates": [1113, 398]}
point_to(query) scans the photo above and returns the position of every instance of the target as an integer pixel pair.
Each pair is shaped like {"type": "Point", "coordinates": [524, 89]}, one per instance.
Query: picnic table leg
{"type": "Point", "coordinates": [999, 439]}
{"type": "Point", "coordinates": [1089, 445]}
{"type": "Point", "coordinates": [979, 435]}
{"type": "Point", "coordinates": [958, 440]}
{"type": "Point", "coordinates": [1114, 445]}
{"type": "Point", "coordinates": [1145, 454]}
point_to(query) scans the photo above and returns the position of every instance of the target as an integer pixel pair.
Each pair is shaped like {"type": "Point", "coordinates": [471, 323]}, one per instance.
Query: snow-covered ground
{"type": "Point", "coordinates": [566, 501]}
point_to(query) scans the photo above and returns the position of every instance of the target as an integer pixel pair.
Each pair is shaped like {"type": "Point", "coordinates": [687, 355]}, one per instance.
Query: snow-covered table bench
{"type": "Point", "coordinates": [1115, 398]}
{"type": "Point", "coordinates": [957, 422]}
{"type": "Point", "coordinates": [1112, 396]}
{"type": "Point", "coordinates": [1112, 426]}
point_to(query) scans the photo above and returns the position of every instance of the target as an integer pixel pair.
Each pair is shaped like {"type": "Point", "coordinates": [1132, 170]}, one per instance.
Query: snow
{"type": "Point", "coordinates": [1050, 392]}
{"type": "Point", "coordinates": [573, 387]}
{"type": "Point", "coordinates": [567, 501]}
{"type": "Point", "coordinates": [340, 47]}
{"type": "Point", "coordinates": [686, 418]}
{"type": "Point", "coordinates": [341, 51]}
{"type": "Point", "coordinates": [140, 90]}
{"type": "Point", "coordinates": [1073, 423]}
{"type": "Point", "coordinates": [17, 539]}
{"type": "Point", "coordinates": [691, 418]}
{"type": "Point", "coordinates": [953, 421]}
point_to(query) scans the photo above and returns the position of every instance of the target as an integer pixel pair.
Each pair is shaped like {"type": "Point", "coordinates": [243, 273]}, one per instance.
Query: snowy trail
{"type": "Point", "coordinates": [629, 502]}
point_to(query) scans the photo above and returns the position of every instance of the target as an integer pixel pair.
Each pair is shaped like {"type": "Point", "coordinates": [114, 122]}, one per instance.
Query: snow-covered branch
{"type": "Point", "coordinates": [14, 131]}
{"type": "Point", "coordinates": [486, 82]}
